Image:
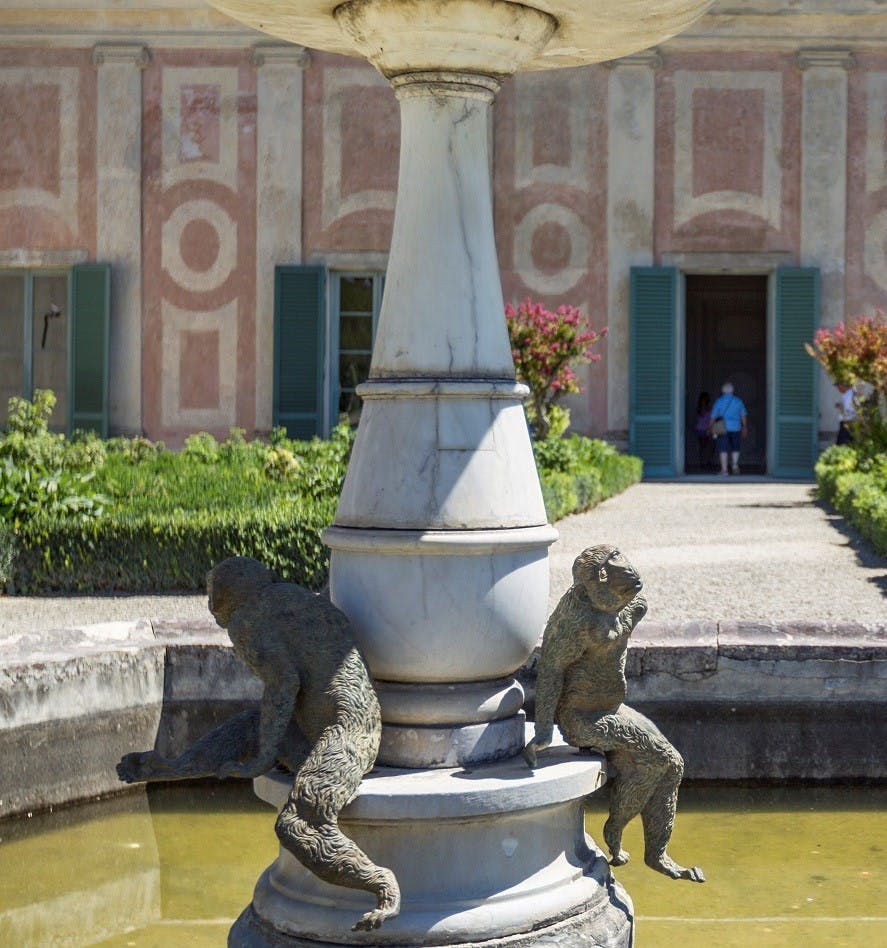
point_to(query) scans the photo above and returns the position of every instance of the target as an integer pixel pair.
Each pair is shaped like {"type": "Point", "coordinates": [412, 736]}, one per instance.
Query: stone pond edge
{"type": "Point", "coordinates": [741, 700]}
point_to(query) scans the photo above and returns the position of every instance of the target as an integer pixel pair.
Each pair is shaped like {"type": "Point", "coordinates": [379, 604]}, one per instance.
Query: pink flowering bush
{"type": "Point", "coordinates": [854, 353]}
{"type": "Point", "coordinates": [546, 345]}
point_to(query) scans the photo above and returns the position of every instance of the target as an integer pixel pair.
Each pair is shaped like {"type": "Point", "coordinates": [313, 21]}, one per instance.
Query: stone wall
{"type": "Point", "coordinates": [741, 701]}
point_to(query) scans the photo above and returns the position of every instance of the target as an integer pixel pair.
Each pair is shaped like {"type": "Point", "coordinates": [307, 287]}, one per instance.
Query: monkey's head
{"type": "Point", "coordinates": [233, 582]}
{"type": "Point", "coordinates": [609, 580]}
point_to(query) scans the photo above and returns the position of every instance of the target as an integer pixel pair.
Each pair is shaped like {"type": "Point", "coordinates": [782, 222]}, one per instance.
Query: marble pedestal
{"type": "Point", "coordinates": [495, 854]}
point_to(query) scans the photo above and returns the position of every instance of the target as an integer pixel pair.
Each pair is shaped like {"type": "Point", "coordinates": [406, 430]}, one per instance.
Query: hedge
{"type": "Point", "coordinates": [165, 518]}
{"type": "Point", "coordinates": [576, 473]}
{"type": "Point", "coordinates": [854, 482]}
{"type": "Point", "coordinates": [164, 552]}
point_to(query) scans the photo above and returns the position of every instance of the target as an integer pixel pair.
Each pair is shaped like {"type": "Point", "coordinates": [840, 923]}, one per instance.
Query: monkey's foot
{"type": "Point", "coordinates": [389, 906]}
{"type": "Point", "coordinates": [619, 858]}
{"type": "Point", "coordinates": [667, 866]}
{"type": "Point", "coordinates": [388, 894]}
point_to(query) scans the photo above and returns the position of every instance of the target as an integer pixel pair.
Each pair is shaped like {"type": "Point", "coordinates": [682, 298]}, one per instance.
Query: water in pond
{"type": "Point", "coordinates": [788, 867]}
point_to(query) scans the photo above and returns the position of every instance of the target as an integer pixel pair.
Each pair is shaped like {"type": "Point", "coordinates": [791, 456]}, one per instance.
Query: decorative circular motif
{"type": "Point", "coordinates": [543, 222]}
{"type": "Point", "coordinates": [199, 269]}
{"type": "Point", "coordinates": [199, 245]}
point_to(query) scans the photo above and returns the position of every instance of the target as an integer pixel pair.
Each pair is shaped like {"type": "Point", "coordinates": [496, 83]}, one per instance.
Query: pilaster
{"type": "Point", "coordinates": [119, 220]}
{"type": "Point", "coordinates": [824, 184]}
{"type": "Point", "coordinates": [630, 208]}
{"type": "Point", "coordinates": [278, 195]}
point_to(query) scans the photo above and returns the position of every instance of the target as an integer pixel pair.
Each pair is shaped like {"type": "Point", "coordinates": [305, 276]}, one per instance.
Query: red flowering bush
{"type": "Point", "coordinates": [855, 352]}
{"type": "Point", "coordinates": [545, 345]}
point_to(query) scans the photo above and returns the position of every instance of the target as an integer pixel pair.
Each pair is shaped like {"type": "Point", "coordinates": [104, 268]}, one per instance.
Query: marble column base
{"type": "Point", "coordinates": [456, 745]}
{"type": "Point", "coordinates": [608, 925]}
{"type": "Point", "coordinates": [496, 854]}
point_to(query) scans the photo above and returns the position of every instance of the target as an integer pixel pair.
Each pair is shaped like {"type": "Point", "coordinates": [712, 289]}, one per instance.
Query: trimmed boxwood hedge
{"type": "Point", "coordinates": [164, 552]}
{"type": "Point", "coordinates": [576, 473]}
{"type": "Point", "coordinates": [171, 516]}
{"type": "Point", "coordinates": [854, 482]}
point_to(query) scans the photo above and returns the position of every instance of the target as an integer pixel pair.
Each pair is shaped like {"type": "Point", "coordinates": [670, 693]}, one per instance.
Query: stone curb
{"type": "Point", "coordinates": [741, 700]}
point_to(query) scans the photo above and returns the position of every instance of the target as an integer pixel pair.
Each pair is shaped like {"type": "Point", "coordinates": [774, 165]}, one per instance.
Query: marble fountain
{"type": "Point", "coordinates": [439, 547]}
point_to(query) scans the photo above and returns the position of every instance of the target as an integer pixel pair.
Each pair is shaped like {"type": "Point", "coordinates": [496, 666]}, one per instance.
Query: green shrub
{"type": "Point", "coordinates": [41, 472]}
{"type": "Point", "coordinates": [853, 479]}
{"type": "Point", "coordinates": [172, 515]}
{"type": "Point", "coordinates": [7, 554]}
{"type": "Point", "coordinates": [162, 552]}
{"type": "Point", "coordinates": [576, 473]}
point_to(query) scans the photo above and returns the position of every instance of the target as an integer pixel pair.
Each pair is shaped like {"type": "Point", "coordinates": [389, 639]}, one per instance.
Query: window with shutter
{"type": "Point", "coordinates": [652, 359]}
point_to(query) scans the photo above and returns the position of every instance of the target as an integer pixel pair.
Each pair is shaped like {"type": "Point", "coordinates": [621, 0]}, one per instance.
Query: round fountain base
{"type": "Point", "coordinates": [494, 854]}
{"type": "Point", "coordinates": [608, 925]}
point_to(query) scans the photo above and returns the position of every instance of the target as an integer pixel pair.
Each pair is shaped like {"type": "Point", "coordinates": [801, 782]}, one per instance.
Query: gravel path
{"type": "Point", "coordinates": [738, 550]}
{"type": "Point", "coordinates": [735, 550]}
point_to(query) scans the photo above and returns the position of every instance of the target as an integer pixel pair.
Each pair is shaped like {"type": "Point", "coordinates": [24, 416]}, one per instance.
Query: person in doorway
{"type": "Point", "coordinates": [729, 425]}
{"type": "Point", "coordinates": [846, 409]}
{"type": "Point", "coordinates": [703, 432]}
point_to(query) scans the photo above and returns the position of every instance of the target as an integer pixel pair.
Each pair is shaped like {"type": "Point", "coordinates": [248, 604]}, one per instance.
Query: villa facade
{"type": "Point", "coordinates": [195, 219]}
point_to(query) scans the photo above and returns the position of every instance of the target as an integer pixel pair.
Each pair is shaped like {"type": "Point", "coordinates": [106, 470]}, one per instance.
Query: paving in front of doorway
{"type": "Point", "coordinates": [732, 548]}
{"type": "Point", "coordinates": [707, 549]}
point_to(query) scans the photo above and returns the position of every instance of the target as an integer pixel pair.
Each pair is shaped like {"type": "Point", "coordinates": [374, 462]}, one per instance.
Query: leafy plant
{"type": "Point", "coordinates": [546, 344]}
{"type": "Point", "coordinates": [576, 473]}
{"type": "Point", "coordinates": [854, 481]}
{"type": "Point", "coordinates": [42, 473]}
{"type": "Point", "coordinates": [7, 554]}
{"type": "Point", "coordinates": [202, 446]}
{"type": "Point", "coordinates": [854, 353]}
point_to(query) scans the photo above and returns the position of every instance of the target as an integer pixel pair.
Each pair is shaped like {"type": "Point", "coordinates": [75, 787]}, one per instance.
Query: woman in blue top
{"type": "Point", "coordinates": [729, 408]}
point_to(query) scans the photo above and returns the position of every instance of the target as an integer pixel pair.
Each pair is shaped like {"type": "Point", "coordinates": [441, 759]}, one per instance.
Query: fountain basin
{"type": "Point", "coordinates": [584, 31]}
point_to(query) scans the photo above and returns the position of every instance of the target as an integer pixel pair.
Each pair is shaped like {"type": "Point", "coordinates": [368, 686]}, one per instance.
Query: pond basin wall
{"type": "Point", "coordinates": [740, 700]}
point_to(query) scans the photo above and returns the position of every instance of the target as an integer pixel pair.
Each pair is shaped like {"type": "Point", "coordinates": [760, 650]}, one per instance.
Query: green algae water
{"type": "Point", "coordinates": [786, 867]}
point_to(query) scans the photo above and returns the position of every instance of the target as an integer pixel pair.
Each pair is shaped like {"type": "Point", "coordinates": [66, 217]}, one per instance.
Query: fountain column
{"type": "Point", "coordinates": [439, 548]}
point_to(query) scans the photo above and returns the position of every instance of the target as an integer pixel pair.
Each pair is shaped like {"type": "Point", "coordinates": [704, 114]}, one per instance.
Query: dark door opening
{"type": "Point", "coordinates": [726, 332]}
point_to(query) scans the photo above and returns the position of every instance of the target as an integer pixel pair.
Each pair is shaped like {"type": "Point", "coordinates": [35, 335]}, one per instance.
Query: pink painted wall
{"type": "Point", "coordinates": [351, 153]}
{"type": "Point", "coordinates": [199, 155]}
{"type": "Point", "coordinates": [727, 179]}
{"type": "Point", "coordinates": [866, 273]}
{"type": "Point", "coordinates": [47, 150]}
{"type": "Point", "coordinates": [551, 201]}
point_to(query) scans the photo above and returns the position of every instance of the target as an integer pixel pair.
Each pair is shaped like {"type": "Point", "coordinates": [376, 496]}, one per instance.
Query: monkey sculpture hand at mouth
{"type": "Point", "coordinates": [581, 687]}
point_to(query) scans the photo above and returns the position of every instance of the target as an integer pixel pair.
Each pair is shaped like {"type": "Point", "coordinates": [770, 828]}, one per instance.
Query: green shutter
{"type": "Point", "coordinates": [651, 432]}
{"type": "Point", "coordinates": [298, 350]}
{"type": "Point", "coordinates": [797, 409]}
{"type": "Point", "coordinates": [91, 294]}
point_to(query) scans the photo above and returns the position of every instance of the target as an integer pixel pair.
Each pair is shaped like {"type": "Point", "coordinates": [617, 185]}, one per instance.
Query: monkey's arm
{"type": "Point", "coordinates": [635, 611]}
{"type": "Point", "coordinates": [561, 647]}
{"type": "Point", "coordinates": [275, 714]}
{"type": "Point", "coordinates": [269, 658]}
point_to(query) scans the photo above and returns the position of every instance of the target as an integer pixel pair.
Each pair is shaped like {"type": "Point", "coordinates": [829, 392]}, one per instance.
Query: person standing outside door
{"type": "Point", "coordinates": [846, 409]}
{"type": "Point", "coordinates": [729, 425]}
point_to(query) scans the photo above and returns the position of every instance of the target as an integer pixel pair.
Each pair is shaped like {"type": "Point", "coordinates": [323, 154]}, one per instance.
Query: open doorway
{"type": "Point", "coordinates": [726, 335]}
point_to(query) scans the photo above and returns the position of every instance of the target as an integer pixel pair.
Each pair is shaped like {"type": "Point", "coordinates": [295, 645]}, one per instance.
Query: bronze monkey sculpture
{"type": "Point", "coordinates": [581, 686]}
{"type": "Point", "coordinates": [319, 716]}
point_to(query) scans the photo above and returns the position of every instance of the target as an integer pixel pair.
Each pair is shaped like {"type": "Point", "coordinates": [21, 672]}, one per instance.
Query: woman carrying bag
{"type": "Point", "coordinates": [729, 426]}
